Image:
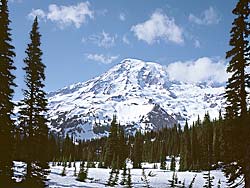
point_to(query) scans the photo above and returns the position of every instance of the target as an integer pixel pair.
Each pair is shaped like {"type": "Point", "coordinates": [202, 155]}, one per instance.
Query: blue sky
{"type": "Point", "coordinates": [82, 39]}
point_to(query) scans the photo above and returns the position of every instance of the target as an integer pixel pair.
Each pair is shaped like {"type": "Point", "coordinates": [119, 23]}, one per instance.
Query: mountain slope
{"type": "Point", "coordinates": [139, 93]}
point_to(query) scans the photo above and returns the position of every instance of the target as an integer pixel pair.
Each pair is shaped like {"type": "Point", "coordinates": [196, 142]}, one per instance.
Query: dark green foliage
{"type": "Point", "coordinates": [233, 171]}
{"type": "Point", "coordinates": [129, 181]}
{"type": "Point", "coordinates": [137, 150]}
{"type": "Point", "coordinates": [238, 58]}
{"type": "Point", "coordinates": [113, 177]}
{"type": "Point", "coordinates": [124, 175]}
{"type": "Point", "coordinates": [123, 148]}
{"type": "Point", "coordinates": [203, 144]}
{"type": "Point", "coordinates": [186, 149]}
{"type": "Point", "coordinates": [63, 171]}
{"type": "Point", "coordinates": [32, 120]}
{"type": "Point", "coordinates": [172, 164]}
{"type": "Point", "coordinates": [163, 165]}
{"type": "Point", "coordinates": [74, 168]}
{"type": "Point", "coordinates": [83, 173]}
{"type": "Point", "coordinates": [209, 180]}
{"type": "Point", "coordinates": [163, 158]}
{"type": "Point", "coordinates": [236, 133]}
{"type": "Point", "coordinates": [6, 93]}
{"type": "Point", "coordinates": [100, 165]}
{"type": "Point", "coordinates": [116, 178]}
{"type": "Point", "coordinates": [194, 148]}
{"type": "Point", "coordinates": [116, 149]}
{"type": "Point", "coordinates": [173, 181]}
{"type": "Point", "coordinates": [90, 164]}
{"type": "Point", "coordinates": [69, 162]}
{"type": "Point", "coordinates": [155, 166]}
{"type": "Point", "coordinates": [207, 141]}
{"type": "Point", "coordinates": [68, 148]}
{"type": "Point", "coordinates": [237, 150]}
{"type": "Point", "coordinates": [111, 174]}
{"type": "Point", "coordinates": [111, 147]}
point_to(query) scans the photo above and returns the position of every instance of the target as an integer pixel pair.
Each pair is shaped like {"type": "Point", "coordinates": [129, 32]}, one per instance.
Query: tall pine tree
{"type": "Point", "coordinates": [32, 112]}
{"type": "Point", "coordinates": [111, 145]}
{"type": "Point", "coordinates": [6, 93]}
{"type": "Point", "coordinates": [137, 150]}
{"type": "Point", "coordinates": [236, 95]}
{"type": "Point", "coordinates": [238, 61]}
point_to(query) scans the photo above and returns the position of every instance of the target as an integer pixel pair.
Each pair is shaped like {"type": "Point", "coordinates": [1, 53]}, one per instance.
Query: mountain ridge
{"type": "Point", "coordinates": [132, 90]}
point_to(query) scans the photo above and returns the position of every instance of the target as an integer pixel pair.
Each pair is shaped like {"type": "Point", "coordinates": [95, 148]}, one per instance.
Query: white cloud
{"type": "Point", "coordinates": [122, 17]}
{"type": "Point", "coordinates": [197, 43]}
{"type": "Point", "coordinates": [37, 13]}
{"type": "Point", "coordinates": [101, 58]}
{"type": "Point", "coordinates": [201, 70]}
{"type": "Point", "coordinates": [159, 26]}
{"type": "Point", "coordinates": [208, 17]}
{"type": "Point", "coordinates": [65, 15]}
{"type": "Point", "coordinates": [103, 39]}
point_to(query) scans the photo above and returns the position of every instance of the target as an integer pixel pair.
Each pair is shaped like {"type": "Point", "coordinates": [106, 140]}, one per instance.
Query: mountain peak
{"type": "Point", "coordinates": [139, 93]}
{"type": "Point", "coordinates": [137, 64]}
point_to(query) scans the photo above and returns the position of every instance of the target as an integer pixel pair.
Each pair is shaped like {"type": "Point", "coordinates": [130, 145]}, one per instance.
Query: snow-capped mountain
{"type": "Point", "coordinates": [139, 93]}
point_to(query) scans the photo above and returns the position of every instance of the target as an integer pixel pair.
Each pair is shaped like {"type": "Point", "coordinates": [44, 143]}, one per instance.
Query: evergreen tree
{"type": "Point", "coordinates": [32, 112]}
{"type": "Point", "coordinates": [217, 142]}
{"type": "Point", "coordinates": [186, 153]}
{"type": "Point", "coordinates": [74, 168]}
{"type": "Point", "coordinates": [122, 149]}
{"type": "Point", "coordinates": [238, 145]}
{"type": "Point", "coordinates": [163, 163]}
{"type": "Point", "coordinates": [83, 173]}
{"type": "Point", "coordinates": [111, 177]}
{"type": "Point", "coordinates": [209, 180]}
{"type": "Point", "coordinates": [124, 174]}
{"type": "Point", "coordinates": [195, 148]}
{"type": "Point", "coordinates": [111, 145]}
{"type": "Point", "coordinates": [138, 150]}
{"type": "Point", "coordinates": [173, 181]}
{"type": "Point", "coordinates": [207, 143]}
{"type": "Point", "coordinates": [172, 165]}
{"type": "Point", "coordinates": [6, 93]}
{"type": "Point", "coordinates": [129, 181]}
{"type": "Point", "coordinates": [163, 157]}
{"type": "Point", "coordinates": [238, 61]}
{"type": "Point", "coordinates": [116, 178]}
{"type": "Point", "coordinates": [63, 171]}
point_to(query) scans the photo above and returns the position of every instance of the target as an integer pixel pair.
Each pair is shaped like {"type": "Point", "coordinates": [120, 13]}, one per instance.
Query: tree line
{"type": "Point", "coordinates": [204, 145]}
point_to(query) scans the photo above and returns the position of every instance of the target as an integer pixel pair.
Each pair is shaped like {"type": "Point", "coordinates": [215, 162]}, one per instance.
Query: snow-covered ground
{"type": "Point", "coordinates": [98, 177]}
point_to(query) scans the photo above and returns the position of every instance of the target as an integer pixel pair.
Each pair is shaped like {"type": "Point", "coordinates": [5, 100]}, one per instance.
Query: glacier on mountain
{"type": "Point", "coordinates": [139, 93]}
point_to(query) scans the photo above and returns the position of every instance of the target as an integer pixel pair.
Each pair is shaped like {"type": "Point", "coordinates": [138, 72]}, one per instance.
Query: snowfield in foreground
{"type": "Point", "coordinates": [98, 177]}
